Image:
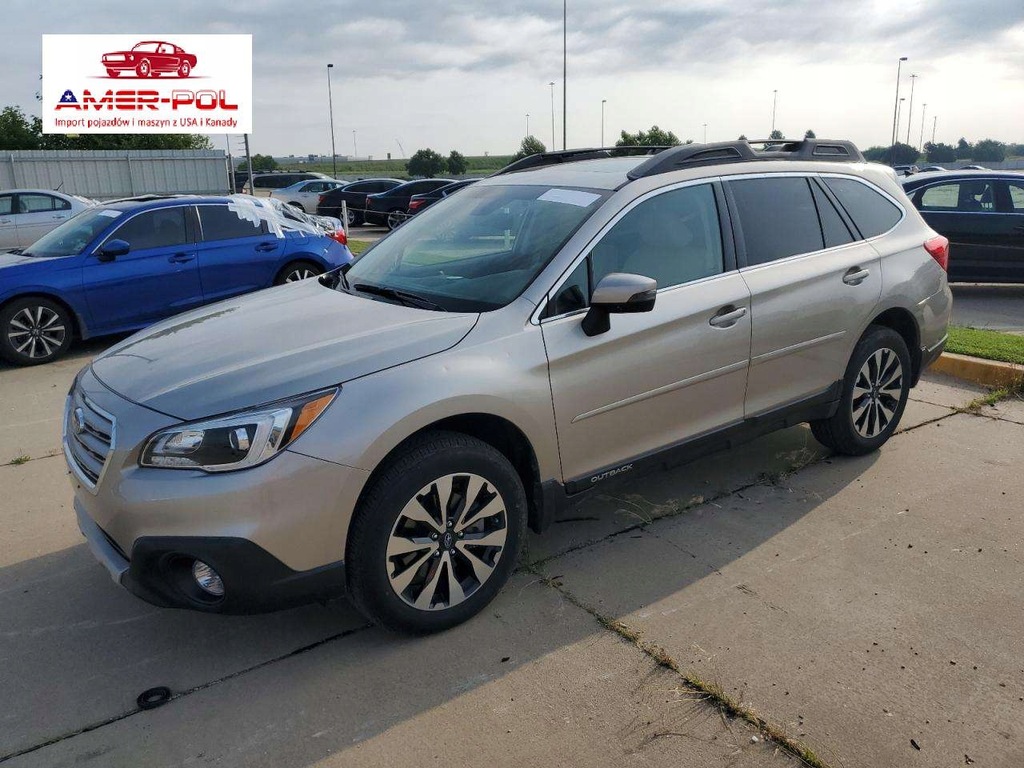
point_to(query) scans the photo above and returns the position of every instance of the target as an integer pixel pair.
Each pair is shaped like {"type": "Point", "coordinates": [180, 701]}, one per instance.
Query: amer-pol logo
{"type": "Point", "coordinates": [147, 84]}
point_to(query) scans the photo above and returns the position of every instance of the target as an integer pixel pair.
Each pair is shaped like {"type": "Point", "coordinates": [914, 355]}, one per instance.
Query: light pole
{"type": "Point", "coordinates": [899, 109]}
{"type": "Point", "coordinates": [775, 101]}
{"type": "Point", "coordinates": [895, 110]}
{"type": "Point", "coordinates": [552, 84]}
{"type": "Point", "coordinates": [527, 123]}
{"type": "Point", "coordinates": [565, 72]}
{"type": "Point", "coordinates": [705, 133]}
{"type": "Point", "coordinates": [935, 123]}
{"type": "Point", "coordinates": [355, 149]}
{"type": "Point", "coordinates": [910, 109]}
{"type": "Point", "coordinates": [330, 104]}
{"type": "Point", "coordinates": [603, 102]}
{"type": "Point", "coordinates": [924, 111]}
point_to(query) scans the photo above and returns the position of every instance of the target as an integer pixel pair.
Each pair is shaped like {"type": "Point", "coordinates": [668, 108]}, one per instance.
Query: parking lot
{"type": "Point", "coordinates": [869, 608]}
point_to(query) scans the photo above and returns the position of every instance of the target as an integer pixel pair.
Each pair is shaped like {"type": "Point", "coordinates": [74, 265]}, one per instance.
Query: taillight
{"type": "Point", "coordinates": [340, 236]}
{"type": "Point", "coordinates": [938, 249]}
{"type": "Point", "coordinates": [415, 205]}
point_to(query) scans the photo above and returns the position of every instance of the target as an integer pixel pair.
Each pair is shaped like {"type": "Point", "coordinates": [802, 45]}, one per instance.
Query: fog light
{"type": "Point", "coordinates": [208, 579]}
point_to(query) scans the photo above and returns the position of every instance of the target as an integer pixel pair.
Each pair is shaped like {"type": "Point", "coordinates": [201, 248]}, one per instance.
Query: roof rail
{"type": "Point", "coordinates": [695, 155]}
{"type": "Point", "coordinates": [542, 159]}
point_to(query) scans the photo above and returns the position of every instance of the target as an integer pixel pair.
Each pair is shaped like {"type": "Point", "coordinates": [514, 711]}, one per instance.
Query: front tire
{"type": "Point", "coordinates": [34, 331]}
{"type": "Point", "coordinates": [875, 391]}
{"type": "Point", "coordinates": [144, 68]}
{"type": "Point", "coordinates": [113, 73]}
{"type": "Point", "coordinates": [437, 535]}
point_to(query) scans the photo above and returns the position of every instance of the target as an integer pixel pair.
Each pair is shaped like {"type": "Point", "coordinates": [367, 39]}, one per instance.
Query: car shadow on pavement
{"type": "Point", "coordinates": [299, 685]}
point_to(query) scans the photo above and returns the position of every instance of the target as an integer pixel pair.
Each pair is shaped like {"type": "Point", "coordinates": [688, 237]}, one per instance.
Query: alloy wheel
{"type": "Point", "coordinates": [446, 542]}
{"type": "Point", "coordinates": [395, 219]}
{"type": "Point", "coordinates": [300, 273]}
{"type": "Point", "coordinates": [36, 332]}
{"type": "Point", "coordinates": [876, 393]}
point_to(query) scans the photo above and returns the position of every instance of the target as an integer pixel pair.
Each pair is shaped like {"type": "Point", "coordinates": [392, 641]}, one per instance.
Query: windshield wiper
{"type": "Point", "coordinates": [404, 297]}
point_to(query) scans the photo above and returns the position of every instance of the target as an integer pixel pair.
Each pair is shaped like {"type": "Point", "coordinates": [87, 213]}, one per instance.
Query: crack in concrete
{"type": "Point", "coordinates": [182, 694]}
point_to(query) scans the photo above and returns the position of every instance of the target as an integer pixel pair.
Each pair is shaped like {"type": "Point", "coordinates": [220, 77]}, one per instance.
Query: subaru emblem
{"type": "Point", "coordinates": [78, 421]}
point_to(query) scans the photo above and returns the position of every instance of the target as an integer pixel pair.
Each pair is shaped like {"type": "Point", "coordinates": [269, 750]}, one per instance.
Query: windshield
{"type": "Point", "coordinates": [73, 235]}
{"type": "Point", "coordinates": [478, 250]}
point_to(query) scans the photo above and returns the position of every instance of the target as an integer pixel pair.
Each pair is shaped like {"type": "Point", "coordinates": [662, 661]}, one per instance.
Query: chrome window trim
{"type": "Point", "coordinates": [535, 318]}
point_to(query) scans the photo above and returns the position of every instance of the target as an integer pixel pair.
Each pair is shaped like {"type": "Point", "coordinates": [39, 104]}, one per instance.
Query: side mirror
{"type": "Point", "coordinates": [112, 249]}
{"type": "Point", "coordinates": [618, 293]}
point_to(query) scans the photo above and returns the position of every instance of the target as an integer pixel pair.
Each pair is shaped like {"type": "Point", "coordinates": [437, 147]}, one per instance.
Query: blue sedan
{"type": "Point", "coordinates": [121, 266]}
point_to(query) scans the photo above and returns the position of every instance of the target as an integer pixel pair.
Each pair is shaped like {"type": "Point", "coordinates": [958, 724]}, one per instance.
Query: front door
{"type": "Point", "coordinates": [157, 278]}
{"type": "Point", "coordinates": [8, 227]}
{"type": "Point", "coordinates": [37, 213]}
{"type": "Point", "coordinates": [659, 378]}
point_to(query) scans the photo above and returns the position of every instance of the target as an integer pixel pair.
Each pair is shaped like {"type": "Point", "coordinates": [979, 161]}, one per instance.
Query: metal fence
{"type": "Point", "coordinates": [105, 174]}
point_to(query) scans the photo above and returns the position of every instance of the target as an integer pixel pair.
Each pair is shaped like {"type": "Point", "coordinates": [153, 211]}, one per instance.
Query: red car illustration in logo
{"type": "Point", "coordinates": [150, 58]}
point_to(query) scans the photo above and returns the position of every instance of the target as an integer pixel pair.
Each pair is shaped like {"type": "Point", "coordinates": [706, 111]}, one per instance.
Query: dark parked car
{"type": "Point", "coordinates": [982, 214]}
{"type": "Point", "coordinates": [425, 199]}
{"type": "Point", "coordinates": [390, 207]}
{"type": "Point", "coordinates": [354, 197]}
{"type": "Point", "coordinates": [118, 267]}
{"type": "Point", "coordinates": [905, 170]}
{"type": "Point", "coordinates": [149, 58]}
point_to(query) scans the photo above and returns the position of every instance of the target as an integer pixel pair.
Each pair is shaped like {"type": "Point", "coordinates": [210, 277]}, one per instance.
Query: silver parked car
{"type": "Point", "coordinates": [391, 429]}
{"type": "Point", "coordinates": [28, 214]}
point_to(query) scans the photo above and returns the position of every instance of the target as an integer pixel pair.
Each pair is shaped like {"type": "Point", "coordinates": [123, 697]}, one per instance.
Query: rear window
{"type": "Point", "coordinates": [219, 222]}
{"type": "Point", "coordinates": [777, 217]}
{"type": "Point", "coordinates": [871, 211]}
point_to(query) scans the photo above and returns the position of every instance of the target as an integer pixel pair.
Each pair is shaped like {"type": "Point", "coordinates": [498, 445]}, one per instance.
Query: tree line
{"type": "Point", "coordinates": [17, 131]}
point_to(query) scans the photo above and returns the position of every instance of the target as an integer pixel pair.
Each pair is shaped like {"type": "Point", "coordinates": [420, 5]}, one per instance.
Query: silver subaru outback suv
{"type": "Point", "coordinates": [391, 429]}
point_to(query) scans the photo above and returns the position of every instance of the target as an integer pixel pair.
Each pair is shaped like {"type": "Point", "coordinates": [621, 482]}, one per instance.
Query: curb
{"type": "Point", "coordinates": [989, 373]}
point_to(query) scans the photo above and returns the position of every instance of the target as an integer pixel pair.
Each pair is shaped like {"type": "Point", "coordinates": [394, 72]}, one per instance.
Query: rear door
{"type": "Point", "coordinates": [157, 278]}
{"type": "Point", "coordinates": [657, 378]}
{"type": "Point", "coordinates": [964, 210]}
{"type": "Point", "coordinates": [813, 286]}
{"type": "Point", "coordinates": [8, 224]}
{"type": "Point", "coordinates": [237, 251]}
{"type": "Point", "coordinates": [1010, 197]}
{"type": "Point", "coordinates": [36, 213]}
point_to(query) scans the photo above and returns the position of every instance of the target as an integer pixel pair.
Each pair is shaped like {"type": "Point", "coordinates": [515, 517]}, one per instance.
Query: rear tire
{"type": "Point", "coordinates": [297, 270]}
{"type": "Point", "coordinates": [411, 561]}
{"type": "Point", "coordinates": [875, 391]}
{"type": "Point", "coordinates": [34, 331]}
{"type": "Point", "coordinates": [144, 68]}
{"type": "Point", "coordinates": [396, 217]}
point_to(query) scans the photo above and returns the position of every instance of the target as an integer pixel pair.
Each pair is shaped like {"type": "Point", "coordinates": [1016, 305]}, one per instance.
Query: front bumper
{"type": "Point", "coordinates": [275, 533]}
{"type": "Point", "coordinates": [159, 572]}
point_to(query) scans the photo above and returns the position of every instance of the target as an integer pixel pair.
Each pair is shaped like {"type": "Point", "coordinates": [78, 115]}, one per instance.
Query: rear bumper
{"type": "Point", "coordinates": [159, 571]}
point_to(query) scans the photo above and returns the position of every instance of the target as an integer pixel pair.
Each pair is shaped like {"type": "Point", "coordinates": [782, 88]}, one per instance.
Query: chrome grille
{"type": "Point", "coordinates": [88, 435]}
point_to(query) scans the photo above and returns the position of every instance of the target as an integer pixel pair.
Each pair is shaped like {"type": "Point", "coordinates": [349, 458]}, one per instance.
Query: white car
{"type": "Point", "coordinates": [306, 194]}
{"type": "Point", "coordinates": [28, 214]}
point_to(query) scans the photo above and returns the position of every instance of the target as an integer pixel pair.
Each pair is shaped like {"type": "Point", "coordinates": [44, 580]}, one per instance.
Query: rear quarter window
{"type": "Point", "coordinates": [872, 212]}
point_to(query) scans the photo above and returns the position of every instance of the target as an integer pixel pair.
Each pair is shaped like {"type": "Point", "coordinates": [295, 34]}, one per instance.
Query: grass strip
{"type": "Point", "coordinates": [989, 345]}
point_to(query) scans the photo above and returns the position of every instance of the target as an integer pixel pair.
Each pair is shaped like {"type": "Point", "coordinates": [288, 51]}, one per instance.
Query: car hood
{"type": "Point", "coordinates": [268, 346]}
{"type": "Point", "coordinates": [8, 259]}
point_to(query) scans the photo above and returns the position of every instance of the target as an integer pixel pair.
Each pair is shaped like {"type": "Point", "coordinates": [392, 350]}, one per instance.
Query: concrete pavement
{"type": "Point", "coordinates": [771, 570]}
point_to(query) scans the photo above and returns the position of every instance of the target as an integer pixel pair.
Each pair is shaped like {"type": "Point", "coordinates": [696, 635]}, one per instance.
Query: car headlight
{"type": "Point", "coordinates": [238, 441]}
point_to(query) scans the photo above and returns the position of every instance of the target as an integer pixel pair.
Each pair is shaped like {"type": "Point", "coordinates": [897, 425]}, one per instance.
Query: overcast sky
{"type": "Point", "coordinates": [462, 74]}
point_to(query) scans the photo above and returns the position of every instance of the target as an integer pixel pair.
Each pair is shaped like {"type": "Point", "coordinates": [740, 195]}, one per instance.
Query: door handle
{"type": "Point", "coordinates": [181, 258]}
{"type": "Point", "coordinates": [58, 216]}
{"type": "Point", "coordinates": [856, 275]}
{"type": "Point", "coordinates": [264, 247]}
{"type": "Point", "coordinates": [727, 317]}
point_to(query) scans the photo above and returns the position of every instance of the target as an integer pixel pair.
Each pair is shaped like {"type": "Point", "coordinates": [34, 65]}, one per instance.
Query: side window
{"type": "Point", "coordinates": [219, 222]}
{"type": "Point", "coordinates": [313, 186]}
{"type": "Point", "coordinates": [777, 217]}
{"type": "Point", "coordinates": [6, 204]}
{"type": "Point", "coordinates": [870, 210]}
{"type": "Point", "coordinates": [673, 237]}
{"type": "Point", "coordinates": [1016, 197]}
{"type": "Point", "coordinates": [161, 228]}
{"type": "Point", "coordinates": [832, 225]}
{"type": "Point", "coordinates": [974, 196]}
{"type": "Point", "coordinates": [573, 294]}
{"type": "Point", "coordinates": [36, 203]}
